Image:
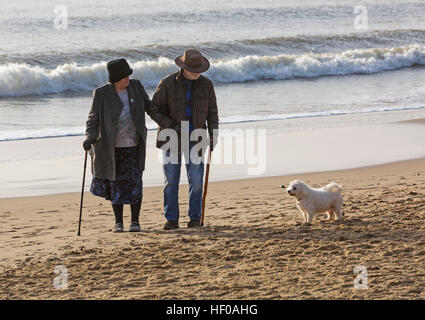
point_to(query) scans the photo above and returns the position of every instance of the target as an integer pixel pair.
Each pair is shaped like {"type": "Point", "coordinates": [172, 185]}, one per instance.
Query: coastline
{"type": "Point", "coordinates": [420, 121]}
{"type": "Point", "coordinates": [54, 166]}
{"type": "Point", "coordinates": [388, 166]}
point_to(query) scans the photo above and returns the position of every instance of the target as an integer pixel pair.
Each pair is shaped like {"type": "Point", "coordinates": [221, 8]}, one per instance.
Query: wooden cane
{"type": "Point", "coordinates": [204, 196]}
{"type": "Point", "coordinates": [82, 194]}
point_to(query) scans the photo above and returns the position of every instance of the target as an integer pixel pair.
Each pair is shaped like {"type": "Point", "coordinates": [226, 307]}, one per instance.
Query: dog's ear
{"type": "Point", "coordinates": [283, 186]}
{"type": "Point", "coordinates": [302, 189]}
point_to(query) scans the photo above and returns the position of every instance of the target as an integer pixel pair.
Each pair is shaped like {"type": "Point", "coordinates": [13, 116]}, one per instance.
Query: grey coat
{"type": "Point", "coordinates": [102, 123]}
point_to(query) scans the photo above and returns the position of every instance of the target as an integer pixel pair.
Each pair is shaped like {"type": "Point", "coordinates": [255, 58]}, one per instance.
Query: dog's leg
{"type": "Point", "coordinates": [338, 210]}
{"type": "Point", "coordinates": [310, 215]}
{"type": "Point", "coordinates": [339, 214]}
{"type": "Point", "coordinates": [304, 215]}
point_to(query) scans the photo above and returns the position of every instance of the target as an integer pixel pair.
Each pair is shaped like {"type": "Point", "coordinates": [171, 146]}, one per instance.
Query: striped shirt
{"type": "Point", "coordinates": [188, 84]}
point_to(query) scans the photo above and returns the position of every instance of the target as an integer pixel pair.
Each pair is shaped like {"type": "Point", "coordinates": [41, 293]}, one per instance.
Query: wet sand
{"type": "Point", "coordinates": [39, 167]}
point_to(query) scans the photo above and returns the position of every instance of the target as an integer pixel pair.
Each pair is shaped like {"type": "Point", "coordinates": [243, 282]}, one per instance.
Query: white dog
{"type": "Point", "coordinates": [311, 201]}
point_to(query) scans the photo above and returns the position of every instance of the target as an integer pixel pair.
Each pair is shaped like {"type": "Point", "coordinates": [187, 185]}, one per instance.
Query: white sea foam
{"type": "Point", "coordinates": [282, 67]}
{"type": "Point", "coordinates": [22, 79]}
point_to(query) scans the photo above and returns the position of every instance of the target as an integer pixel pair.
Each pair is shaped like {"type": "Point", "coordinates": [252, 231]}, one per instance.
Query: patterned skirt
{"type": "Point", "coordinates": [128, 186]}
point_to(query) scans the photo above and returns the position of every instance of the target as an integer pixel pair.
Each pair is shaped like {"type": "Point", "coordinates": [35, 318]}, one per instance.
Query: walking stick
{"type": "Point", "coordinates": [82, 193]}
{"type": "Point", "coordinates": [204, 196]}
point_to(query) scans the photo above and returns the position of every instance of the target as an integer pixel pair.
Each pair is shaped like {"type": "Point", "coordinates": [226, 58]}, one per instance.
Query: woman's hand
{"type": "Point", "coordinates": [88, 143]}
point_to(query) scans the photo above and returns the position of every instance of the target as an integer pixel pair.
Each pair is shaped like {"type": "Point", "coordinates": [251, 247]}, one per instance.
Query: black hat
{"type": "Point", "coordinates": [118, 69]}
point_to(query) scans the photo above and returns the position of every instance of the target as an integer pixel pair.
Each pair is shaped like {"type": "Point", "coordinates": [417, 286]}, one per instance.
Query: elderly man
{"type": "Point", "coordinates": [185, 101]}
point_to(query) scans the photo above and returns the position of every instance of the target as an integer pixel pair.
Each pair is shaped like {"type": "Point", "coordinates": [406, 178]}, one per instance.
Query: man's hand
{"type": "Point", "coordinates": [213, 143]}
{"type": "Point", "coordinates": [177, 127]}
{"type": "Point", "coordinates": [88, 143]}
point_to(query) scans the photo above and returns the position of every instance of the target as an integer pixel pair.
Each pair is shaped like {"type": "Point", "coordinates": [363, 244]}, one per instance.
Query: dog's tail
{"type": "Point", "coordinates": [333, 187]}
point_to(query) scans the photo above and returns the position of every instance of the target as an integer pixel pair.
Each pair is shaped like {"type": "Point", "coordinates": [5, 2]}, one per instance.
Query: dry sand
{"type": "Point", "coordinates": [252, 247]}
{"type": "Point", "coordinates": [422, 121]}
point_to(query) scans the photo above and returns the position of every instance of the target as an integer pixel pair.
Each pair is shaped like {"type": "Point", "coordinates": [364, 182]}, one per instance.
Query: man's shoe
{"type": "Point", "coordinates": [134, 227]}
{"type": "Point", "coordinates": [171, 224]}
{"type": "Point", "coordinates": [194, 224]}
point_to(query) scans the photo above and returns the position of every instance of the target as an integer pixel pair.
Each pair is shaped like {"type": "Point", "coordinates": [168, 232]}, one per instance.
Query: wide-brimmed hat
{"type": "Point", "coordinates": [118, 69]}
{"type": "Point", "coordinates": [192, 60]}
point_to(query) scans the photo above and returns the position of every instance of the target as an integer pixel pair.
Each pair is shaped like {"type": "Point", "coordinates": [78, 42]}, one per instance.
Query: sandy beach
{"type": "Point", "coordinates": [252, 247]}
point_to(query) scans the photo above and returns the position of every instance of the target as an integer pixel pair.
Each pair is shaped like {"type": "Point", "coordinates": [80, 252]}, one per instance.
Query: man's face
{"type": "Point", "coordinates": [190, 75]}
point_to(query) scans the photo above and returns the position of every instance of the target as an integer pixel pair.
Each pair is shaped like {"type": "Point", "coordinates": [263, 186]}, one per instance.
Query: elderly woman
{"type": "Point", "coordinates": [117, 132]}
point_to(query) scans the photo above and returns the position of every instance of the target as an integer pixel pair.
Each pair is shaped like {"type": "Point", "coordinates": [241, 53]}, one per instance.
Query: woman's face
{"type": "Point", "coordinates": [122, 84]}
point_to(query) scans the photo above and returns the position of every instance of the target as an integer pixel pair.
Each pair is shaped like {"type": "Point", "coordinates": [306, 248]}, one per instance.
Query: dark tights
{"type": "Point", "coordinates": [119, 208]}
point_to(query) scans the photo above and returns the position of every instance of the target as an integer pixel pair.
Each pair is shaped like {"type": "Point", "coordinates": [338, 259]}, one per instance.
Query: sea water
{"type": "Point", "coordinates": [270, 60]}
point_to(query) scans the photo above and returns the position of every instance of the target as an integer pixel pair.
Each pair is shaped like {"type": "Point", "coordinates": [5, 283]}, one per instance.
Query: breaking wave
{"type": "Point", "coordinates": [22, 79]}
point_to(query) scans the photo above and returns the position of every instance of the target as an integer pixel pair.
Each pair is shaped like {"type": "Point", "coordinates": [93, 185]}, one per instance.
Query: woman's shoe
{"type": "Point", "coordinates": [119, 227]}
{"type": "Point", "coordinates": [134, 227]}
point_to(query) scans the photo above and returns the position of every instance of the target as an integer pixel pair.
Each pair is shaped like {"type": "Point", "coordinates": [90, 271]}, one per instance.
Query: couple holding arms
{"type": "Point", "coordinates": [117, 132]}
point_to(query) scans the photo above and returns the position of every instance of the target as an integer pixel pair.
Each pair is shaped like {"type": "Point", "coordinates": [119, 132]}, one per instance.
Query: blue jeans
{"type": "Point", "coordinates": [195, 174]}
